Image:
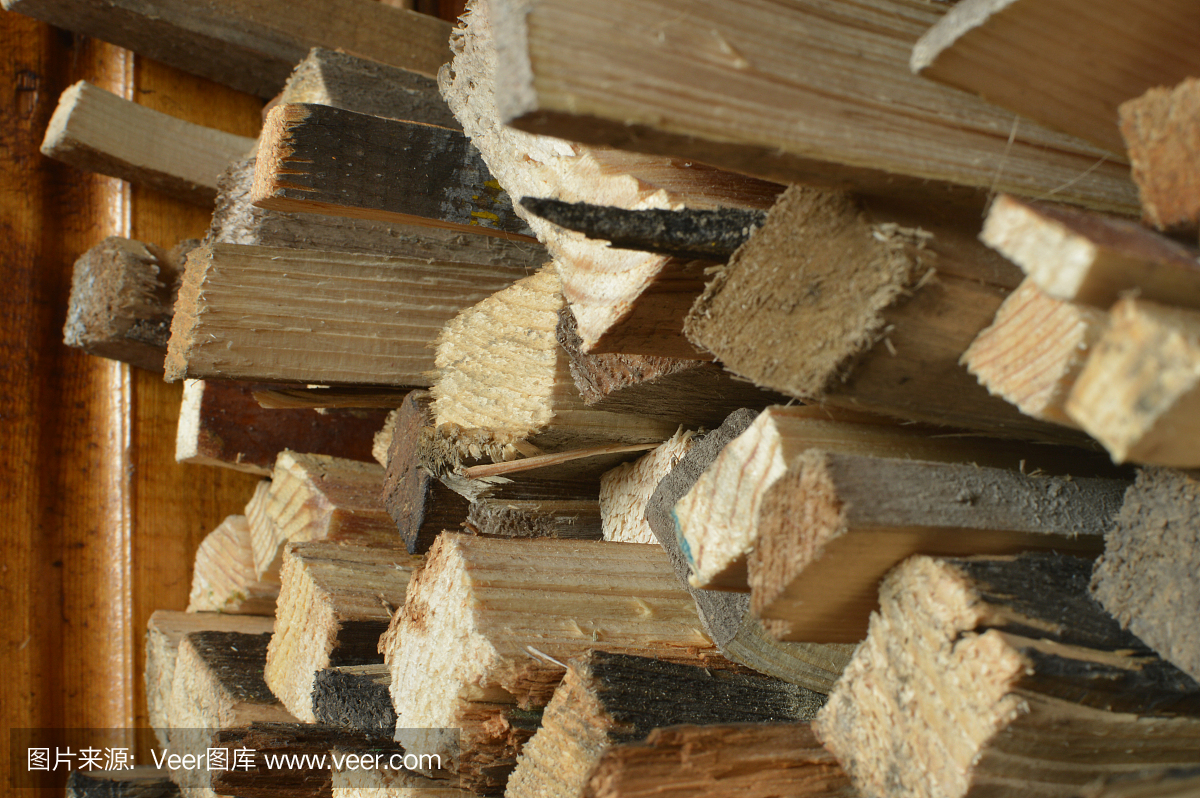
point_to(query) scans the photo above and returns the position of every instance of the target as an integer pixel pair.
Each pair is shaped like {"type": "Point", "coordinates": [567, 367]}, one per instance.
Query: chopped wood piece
{"type": "Point", "coordinates": [601, 284]}
{"type": "Point", "coordinates": [250, 45]}
{"type": "Point", "coordinates": [1086, 257]}
{"type": "Point", "coordinates": [1002, 675]}
{"type": "Point", "coordinates": [718, 520]}
{"type": "Point", "coordinates": [164, 632]}
{"type": "Point", "coordinates": [532, 605]}
{"type": "Point", "coordinates": [341, 80]}
{"type": "Point", "coordinates": [576, 519]}
{"type": "Point", "coordinates": [122, 300]}
{"type": "Point", "coordinates": [237, 220]}
{"type": "Point", "coordinates": [382, 782]}
{"type": "Point", "coordinates": [223, 578]}
{"type": "Point", "coordinates": [418, 502]}
{"type": "Point", "coordinates": [608, 699]}
{"type": "Point", "coordinates": [269, 314]}
{"type": "Point", "coordinates": [1060, 64]}
{"type": "Point", "coordinates": [1137, 393]}
{"type": "Point", "coordinates": [1034, 350]}
{"type": "Point", "coordinates": [336, 600]}
{"type": "Point", "coordinates": [221, 424]}
{"type": "Point", "coordinates": [1181, 783]}
{"type": "Point", "coordinates": [317, 497]}
{"type": "Point", "coordinates": [1161, 128]}
{"type": "Point", "coordinates": [578, 72]}
{"type": "Point", "coordinates": [873, 311]}
{"type": "Point", "coordinates": [140, 781]}
{"type": "Point", "coordinates": [747, 760]}
{"type": "Point", "coordinates": [322, 396]}
{"type": "Point", "coordinates": [693, 393]}
{"type": "Point", "coordinates": [626, 490]}
{"type": "Point", "coordinates": [320, 159]}
{"type": "Point", "coordinates": [506, 385]}
{"type": "Point", "coordinates": [1147, 578]}
{"type": "Point", "coordinates": [834, 524]}
{"type": "Point", "coordinates": [355, 697]}
{"type": "Point", "coordinates": [707, 234]}
{"type": "Point", "coordinates": [95, 130]}
{"type": "Point", "coordinates": [726, 616]}
{"type": "Point", "coordinates": [381, 443]}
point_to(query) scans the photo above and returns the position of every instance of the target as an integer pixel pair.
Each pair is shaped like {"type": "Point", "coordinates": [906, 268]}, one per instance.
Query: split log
{"type": "Point", "coordinates": [355, 697]}
{"type": "Point", "coordinates": [1034, 350]}
{"type": "Point", "coordinates": [417, 501]}
{"type": "Point", "coordinates": [719, 519]}
{"type": "Point", "coordinates": [600, 284]}
{"type": "Point", "coordinates": [321, 159]}
{"type": "Point", "coordinates": [1181, 783]}
{"type": "Point", "coordinates": [506, 385]}
{"type": "Point", "coordinates": [335, 602]}
{"type": "Point", "coordinates": [626, 490]}
{"type": "Point", "coordinates": [863, 307]}
{"type": "Point", "coordinates": [237, 220]}
{"type": "Point", "coordinates": [749, 760]}
{"type": "Point", "coordinates": [270, 314]}
{"type": "Point", "coordinates": [1039, 59]}
{"type": "Point", "coordinates": [122, 301]}
{"type": "Point", "coordinates": [1137, 393]}
{"type": "Point", "coordinates": [836, 523]}
{"type": "Point", "coordinates": [1147, 576]}
{"type": "Point", "coordinates": [577, 72]}
{"type": "Point", "coordinates": [221, 424]}
{"type": "Point", "coordinates": [317, 497]}
{"type": "Point", "coordinates": [341, 80]}
{"type": "Point", "coordinates": [1089, 258]}
{"type": "Point", "coordinates": [534, 604]}
{"type": "Point", "coordinates": [726, 616]}
{"type": "Point", "coordinates": [608, 699]}
{"type": "Point", "coordinates": [1163, 136]}
{"type": "Point", "coordinates": [164, 633]}
{"type": "Point", "coordinates": [223, 578]}
{"type": "Point", "coordinates": [249, 45]}
{"type": "Point", "coordinates": [97, 131]}
{"type": "Point", "coordinates": [564, 518]}
{"type": "Point", "coordinates": [140, 781]}
{"type": "Point", "coordinates": [1002, 675]}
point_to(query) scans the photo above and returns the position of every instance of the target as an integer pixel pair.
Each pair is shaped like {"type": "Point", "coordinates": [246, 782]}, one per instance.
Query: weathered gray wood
{"type": "Point", "coordinates": [355, 697]}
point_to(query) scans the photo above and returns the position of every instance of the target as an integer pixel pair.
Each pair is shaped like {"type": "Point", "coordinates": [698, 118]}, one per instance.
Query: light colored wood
{"type": "Point", "coordinates": [799, 71]}
{"type": "Point", "coordinates": [600, 284]}
{"type": "Point", "coordinates": [489, 619]}
{"type": "Point", "coordinates": [250, 45]}
{"type": "Point", "coordinates": [96, 130]}
{"type": "Point", "coordinates": [984, 676]}
{"type": "Point", "coordinates": [381, 443]}
{"type": "Point", "coordinates": [1034, 350]}
{"type": "Point", "coordinates": [1060, 64]}
{"type": "Point", "coordinates": [1163, 137]}
{"type": "Point", "coordinates": [1147, 575]}
{"type": "Point", "coordinates": [223, 578]}
{"type": "Point", "coordinates": [317, 497]}
{"type": "Point", "coordinates": [1137, 393]}
{"type": "Point", "coordinates": [275, 314]}
{"type": "Point", "coordinates": [608, 699]}
{"type": "Point", "coordinates": [875, 316]}
{"type": "Point", "coordinates": [505, 385]}
{"type": "Point", "coordinates": [335, 602]}
{"type": "Point", "coordinates": [1089, 258]}
{"type": "Point", "coordinates": [836, 523]}
{"type": "Point", "coordinates": [625, 490]}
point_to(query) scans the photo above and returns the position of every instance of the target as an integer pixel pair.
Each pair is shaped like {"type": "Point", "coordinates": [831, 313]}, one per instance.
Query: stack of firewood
{"type": "Point", "coordinates": [669, 398]}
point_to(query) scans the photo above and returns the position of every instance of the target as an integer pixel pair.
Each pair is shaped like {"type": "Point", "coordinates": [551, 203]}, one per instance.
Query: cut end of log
{"type": "Point", "coordinates": [189, 306]}
{"type": "Point", "coordinates": [274, 150]}
{"type": "Point", "coordinates": [56, 131]}
{"type": "Point", "coordinates": [1162, 132]}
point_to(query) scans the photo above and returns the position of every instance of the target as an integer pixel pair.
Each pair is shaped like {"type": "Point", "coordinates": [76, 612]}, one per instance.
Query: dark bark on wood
{"type": "Point", "coordinates": [140, 782]}
{"type": "Point", "coordinates": [236, 661]}
{"type": "Point", "coordinates": [355, 698]}
{"type": "Point", "coordinates": [579, 520]}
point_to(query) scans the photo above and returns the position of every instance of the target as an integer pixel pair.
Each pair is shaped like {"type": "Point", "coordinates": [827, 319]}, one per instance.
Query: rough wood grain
{"type": "Point", "coordinates": [1163, 137]}
{"type": "Point", "coordinates": [1064, 66]}
{"type": "Point", "coordinates": [1137, 393]}
{"type": "Point", "coordinates": [1033, 352]}
{"type": "Point", "coordinates": [251, 45]}
{"type": "Point", "coordinates": [355, 697]}
{"type": "Point", "coordinates": [223, 578]}
{"type": "Point", "coordinates": [321, 159]}
{"type": "Point", "coordinates": [268, 314]}
{"type": "Point", "coordinates": [626, 490]}
{"type": "Point", "coordinates": [1179, 783]}
{"type": "Point", "coordinates": [1090, 258]}
{"type": "Point", "coordinates": [1002, 675]}
{"type": "Point", "coordinates": [574, 518]}
{"type": "Point", "coordinates": [381, 782]}
{"type": "Point", "coordinates": [578, 72]}
{"type": "Point", "coordinates": [141, 781]}
{"type": "Point", "coordinates": [95, 130]}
